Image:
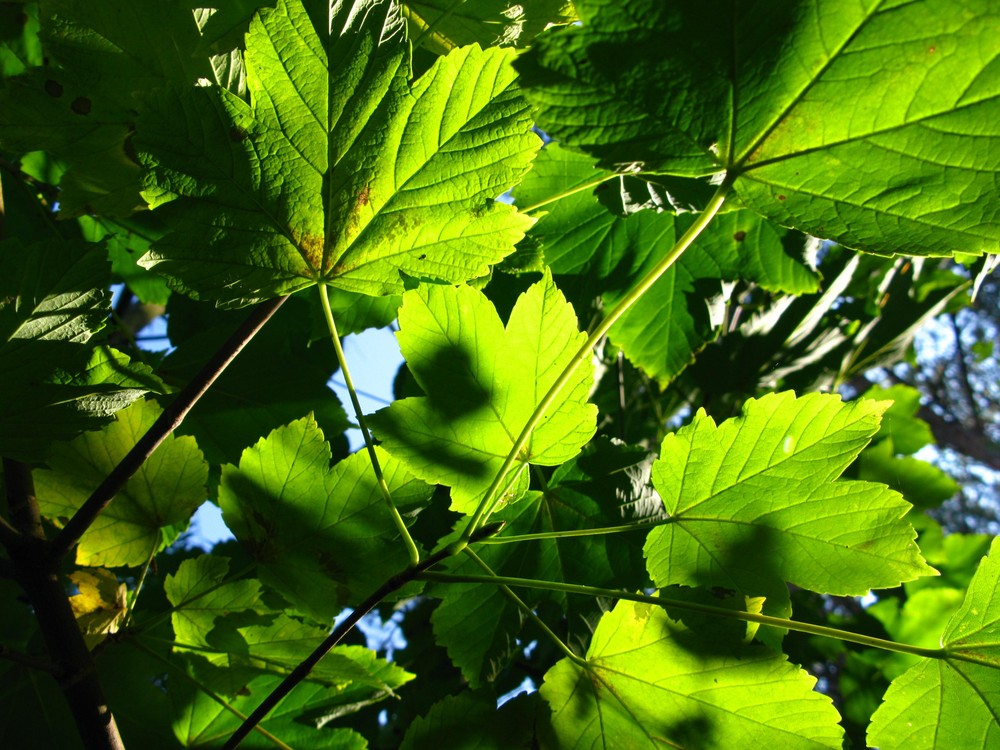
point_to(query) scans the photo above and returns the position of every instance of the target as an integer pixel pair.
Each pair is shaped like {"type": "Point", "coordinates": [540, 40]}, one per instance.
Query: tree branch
{"type": "Point", "coordinates": [168, 421]}
{"type": "Point", "coordinates": [37, 572]}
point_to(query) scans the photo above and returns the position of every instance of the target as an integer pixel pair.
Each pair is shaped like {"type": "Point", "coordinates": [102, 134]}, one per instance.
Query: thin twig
{"type": "Point", "coordinates": [302, 671]}
{"type": "Point", "coordinates": [32, 662]}
{"type": "Point", "coordinates": [168, 421]}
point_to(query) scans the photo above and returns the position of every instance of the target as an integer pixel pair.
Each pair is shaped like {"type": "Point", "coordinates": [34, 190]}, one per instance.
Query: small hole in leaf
{"type": "Point", "coordinates": [81, 105]}
{"type": "Point", "coordinates": [740, 236]}
{"type": "Point", "coordinates": [53, 88]}
{"type": "Point", "coordinates": [423, 256]}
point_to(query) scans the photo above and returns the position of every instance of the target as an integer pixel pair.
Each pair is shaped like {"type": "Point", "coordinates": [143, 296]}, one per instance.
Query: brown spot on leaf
{"type": "Point", "coordinates": [311, 248]}
{"type": "Point", "coordinates": [81, 105]}
{"type": "Point", "coordinates": [423, 256]}
{"type": "Point", "coordinates": [781, 197]}
{"type": "Point", "coordinates": [237, 134]}
{"type": "Point", "coordinates": [364, 195]}
{"type": "Point", "coordinates": [740, 236]}
{"type": "Point", "coordinates": [53, 88]}
{"type": "Point", "coordinates": [932, 50]}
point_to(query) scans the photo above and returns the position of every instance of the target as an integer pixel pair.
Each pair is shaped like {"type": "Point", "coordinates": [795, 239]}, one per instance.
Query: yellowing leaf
{"type": "Point", "coordinates": [100, 604]}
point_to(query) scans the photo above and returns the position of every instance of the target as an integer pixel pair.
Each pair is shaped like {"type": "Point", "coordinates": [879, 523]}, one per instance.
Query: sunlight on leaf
{"type": "Point", "coordinates": [339, 171]}
{"type": "Point", "coordinates": [150, 511]}
{"type": "Point", "coordinates": [482, 381]}
{"type": "Point", "coordinates": [873, 124]}
{"type": "Point", "coordinates": [755, 502]}
{"type": "Point", "coordinates": [952, 702]}
{"type": "Point", "coordinates": [321, 534]}
{"type": "Point", "coordinates": [649, 682]}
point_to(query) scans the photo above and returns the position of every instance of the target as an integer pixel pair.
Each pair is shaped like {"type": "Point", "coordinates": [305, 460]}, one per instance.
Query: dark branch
{"type": "Point", "coordinates": [171, 417]}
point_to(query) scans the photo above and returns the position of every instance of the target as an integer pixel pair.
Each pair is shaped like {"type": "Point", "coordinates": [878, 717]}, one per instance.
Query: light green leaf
{"type": "Point", "coordinates": [151, 509]}
{"type": "Point", "coordinates": [322, 535]}
{"type": "Point", "coordinates": [339, 171]}
{"type": "Point", "coordinates": [951, 702]}
{"type": "Point", "coordinates": [649, 682]}
{"type": "Point", "coordinates": [126, 241]}
{"type": "Point", "coordinates": [918, 622]}
{"type": "Point", "coordinates": [756, 503]}
{"type": "Point", "coordinates": [442, 25]}
{"type": "Point", "coordinates": [842, 121]}
{"type": "Point", "coordinates": [900, 422]}
{"type": "Point", "coordinates": [482, 382]}
{"type": "Point", "coordinates": [228, 625]}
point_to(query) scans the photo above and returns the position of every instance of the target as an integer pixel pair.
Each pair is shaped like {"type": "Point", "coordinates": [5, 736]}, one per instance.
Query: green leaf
{"type": "Point", "coordinates": [482, 382]}
{"type": "Point", "coordinates": [80, 105]}
{"type": "Point", "coordinates": [229, 625]}
{"type": "Point", "coordinates": [151, 509]}
{"type": "Point", "coordinates": [841, 122]}
{"type": "Point", "coordinates": [469, 721]}
{"type": "Point", "coordinates": [322, 534]}
{"type": "Point", "coordinates": [650, 682]}
{"type": "Point", "coordinates": [755, 503]}
{"type": "Point", "coordinates": [126, 241]}
{"type": "Point", "coordinates": [951, 702]}
{"type": "Point", "coordinates": [366, 179]}
{"type": "Point", "coordinates": [921, 483]}
{"type": "Point", "coordinates": [918, 622]}
{"type": "Point", "coordinates": [595, 251]}
{"type": "Point", "coordinates": [442, 25]}
{"type": "Point", "coordinates": [201, 722]}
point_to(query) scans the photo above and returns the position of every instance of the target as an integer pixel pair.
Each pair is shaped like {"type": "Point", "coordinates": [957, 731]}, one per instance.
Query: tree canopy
{"type": "Point", "coordinates": [636, 485]}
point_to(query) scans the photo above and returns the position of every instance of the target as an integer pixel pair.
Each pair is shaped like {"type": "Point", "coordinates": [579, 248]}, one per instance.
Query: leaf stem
{"type": "Point", "coordinates": [528, 611]}
{"type": "Point", "coordinates": [138, 587]}
{"type": "Point", "coordinates": [567, 193]}
{"type": "Point", "coordinates": [489, 500]}
{"type": "Point", "coordinates": [411, 547]}
{"type": "Point", "coordinates": [707, 609]}
{"type": "Point", "coordinates": [165, 424]}
{"type": "Point", "coordinates": [568, 533]}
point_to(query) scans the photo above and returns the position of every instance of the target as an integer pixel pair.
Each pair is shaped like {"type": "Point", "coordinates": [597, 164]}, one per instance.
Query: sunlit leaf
{"type": "Point", "coordinates": [99, 605]}
{"type": "Point", "coordinates": [483, 381]}
{"type": "Point", "coordinates": [649, 682]}
{"type": "Point", "coordinates": [152, 508]}
{"type": "Point", "coordinates": [755, 503]}
{"type": "Point", "coordinates": [322, 535]}
{"type": "Point", "coordinates": [841, 121]}
{"type": "Point", "coordinates": [338, 171]}
{"type": "Point", "coordinates": [953, 701]}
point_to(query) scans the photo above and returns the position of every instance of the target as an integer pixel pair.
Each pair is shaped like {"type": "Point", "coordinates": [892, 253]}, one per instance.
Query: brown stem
{"type": "Point", "coordinates": [38, 574]}
{"type": "Point", "coordinates": [306, 666]}
{"type": "Point", "coordinates": [161, 428]}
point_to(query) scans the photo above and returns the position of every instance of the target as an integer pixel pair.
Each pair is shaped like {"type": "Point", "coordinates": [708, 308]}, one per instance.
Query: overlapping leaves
{"type": "Point", "coordinates": [844, 122]}
{"type": "Point", "coordinates": [653, 682]}
{"type": "Point", "coordinates": [482, 382]}
{"type": "Point", "coordinates": [54, 383]}
{"type": "Point", "coordinates": [954, 701]}
{"type": "Point", "coordinates": [338, 171]}
{"type": "Point", "coordinates": [153, 507]}
{"type": "Point", "coordinates": [321, 534]}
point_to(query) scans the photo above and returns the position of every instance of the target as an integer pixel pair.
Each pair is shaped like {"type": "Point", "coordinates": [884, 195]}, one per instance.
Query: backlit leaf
{"type": "Point", "coordinates": [152, 508]}
{"type": "Point", "coordinates": [755, 503]}
{"type": "Point", "coordinates": [649, 682]}
{"type": "Point", "coordinates": [951, 702]}
{"type": "Point", "coordinates": [482, 381]}
{"type": "Point", "coordinates": [338, 171]}
{"type": "Point", "coordinates": [868, 124]}
{"type": "Point", "coordinates": [322, 534]}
